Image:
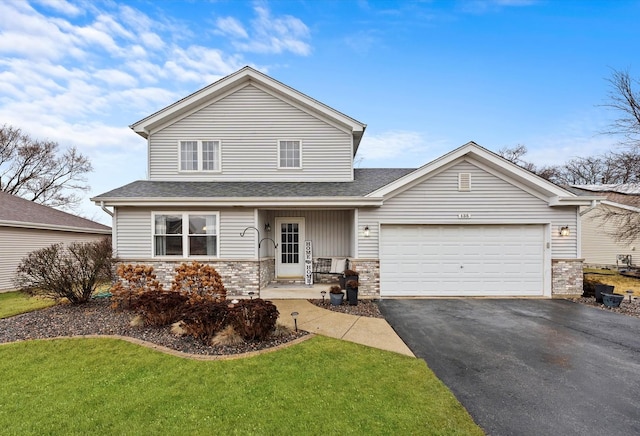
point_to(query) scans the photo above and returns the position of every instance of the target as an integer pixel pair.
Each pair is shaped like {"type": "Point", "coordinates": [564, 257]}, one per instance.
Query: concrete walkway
{"type": "Point", "coordinates": [373, 332]}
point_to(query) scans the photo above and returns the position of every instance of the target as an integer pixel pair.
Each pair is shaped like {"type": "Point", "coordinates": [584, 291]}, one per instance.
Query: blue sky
{"type": "Point", "coordinates": [425, 76]}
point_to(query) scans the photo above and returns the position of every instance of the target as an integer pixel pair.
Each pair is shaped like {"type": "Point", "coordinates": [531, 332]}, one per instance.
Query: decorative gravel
{"type": "Point", "coordinates": [97, 318]}
{"type": "Point", "coordinates": [363, 308]}
{"type": "Point", "coordinates": [631, 308]}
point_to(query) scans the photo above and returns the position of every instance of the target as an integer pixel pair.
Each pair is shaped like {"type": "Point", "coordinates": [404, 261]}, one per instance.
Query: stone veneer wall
{"type": "Point", "coordinates": [566, 277]}
{"type": "Point", "coordinates": [239, 277]}
{"type": "Point", "coordinates": [369, 276]}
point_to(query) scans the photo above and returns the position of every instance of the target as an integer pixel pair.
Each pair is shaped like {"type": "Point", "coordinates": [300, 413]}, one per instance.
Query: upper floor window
{"type": "Point", "coordinates": [290, 154]}
{"type": "Point", "coordinates": [185, 234]}
{"type": "Point", "coordinates": [199, 155]}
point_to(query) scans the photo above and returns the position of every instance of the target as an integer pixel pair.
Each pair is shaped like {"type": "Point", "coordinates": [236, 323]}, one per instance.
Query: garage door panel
{"type": "Point", "coordinates": [423, 260]}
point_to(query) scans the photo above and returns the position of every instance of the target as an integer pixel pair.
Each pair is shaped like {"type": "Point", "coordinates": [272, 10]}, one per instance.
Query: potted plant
{"type": "Point", "coordinates": [350, 274]}
{"type": "Point", "coordinates": [352, 292]}
{"type": "Point", "coordinates": [336, 295]}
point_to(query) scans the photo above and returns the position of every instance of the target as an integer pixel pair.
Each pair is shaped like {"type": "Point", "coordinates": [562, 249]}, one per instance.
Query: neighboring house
{"type": "Point", "coordinates": [600, 247]}
{"type": "Point", "coordinates": [250, 152]}
{"type": "Point", "coordinates": [26, 226]}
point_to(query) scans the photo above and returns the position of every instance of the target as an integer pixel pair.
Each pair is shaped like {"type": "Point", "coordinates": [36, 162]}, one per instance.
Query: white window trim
{"type": "Point", "coordinates": [200, 156]}
{"type": "Point", "coordinates": [185, 234]}
{"type": "Point", "coordinates": [278, 157]}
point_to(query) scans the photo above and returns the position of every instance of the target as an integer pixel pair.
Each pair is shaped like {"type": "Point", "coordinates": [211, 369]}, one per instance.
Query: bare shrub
{"type": "Point", "coordinates": [254, 319]}
{"type": "Point", "coordinates": [200, 282]}
{"type": "Point", "coordinates": [134, 281]}
{"type": "Point", "coordinates": [159, 308]}
{"type": "Point", "coordinates": [73, 272]}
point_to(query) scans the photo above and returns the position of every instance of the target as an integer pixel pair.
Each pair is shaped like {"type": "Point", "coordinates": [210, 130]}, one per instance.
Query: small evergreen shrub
{"type": "Point", "coordinates": [254, 319]}
{"type": "Point", "coordinates": [73, 271]}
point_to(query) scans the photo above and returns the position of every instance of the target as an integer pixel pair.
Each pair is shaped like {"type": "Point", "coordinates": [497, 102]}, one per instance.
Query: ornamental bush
{"type": "Point", "coordinates": [254, 320]}
{"type": "Point", "coordinates": [73, 271]}
{"type": "Point", "coordinates": [160, 308]}
{"type": "Point", "coordinates": [134, 281]}
{"type": "Point", "coordinates": [200, 282]}
{"type": "Point", "coordinates": [204, 319]}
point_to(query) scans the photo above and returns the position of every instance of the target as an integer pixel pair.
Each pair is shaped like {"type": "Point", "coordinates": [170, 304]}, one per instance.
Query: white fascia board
{"type": "Point", "coordinates": [40, 226]}
{"type": "Point", "coordinates": [620, 205]}
{"type": "Point", "coordinates": [341, 202]}
{"type": "Point", "coordinates": [481, 154]}
{"type": "Point", "coordinates": [246, 74]}
{"type": "Point", "coordinates": [581, 200]}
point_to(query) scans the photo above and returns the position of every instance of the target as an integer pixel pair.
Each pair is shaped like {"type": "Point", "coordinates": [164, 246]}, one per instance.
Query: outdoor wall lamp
{"type": "Point", "coordinates": [564, 231]}
{"type": "Point", "coordinates": [366, 231]}
{"type": "Point", "coordinates": [267, 227]}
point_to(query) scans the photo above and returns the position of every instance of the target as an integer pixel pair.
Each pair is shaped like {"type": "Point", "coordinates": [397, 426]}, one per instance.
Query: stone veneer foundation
{"type": "Point", "coordinates": [368, 276]}
{"type": "Point", "coordinates": [239, 277]}
{"type": "Point", "coordinates": [566, 277]}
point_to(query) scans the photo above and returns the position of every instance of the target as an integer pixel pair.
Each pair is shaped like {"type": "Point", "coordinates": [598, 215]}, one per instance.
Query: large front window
{"type": "Point", "coordinates": [185, 234]}
{"type": "Point", "coordinates": [199, 155]}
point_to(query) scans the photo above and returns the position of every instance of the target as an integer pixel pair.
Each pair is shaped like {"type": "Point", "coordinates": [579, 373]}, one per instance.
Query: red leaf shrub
{"type": "Point", "coordinates": [158, 307]}
{"type": "Point", "coordinates": [254, 319]}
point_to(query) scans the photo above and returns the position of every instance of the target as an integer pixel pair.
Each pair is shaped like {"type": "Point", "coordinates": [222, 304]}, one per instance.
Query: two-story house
{"type": "Point", "coordinates": [247, 163]}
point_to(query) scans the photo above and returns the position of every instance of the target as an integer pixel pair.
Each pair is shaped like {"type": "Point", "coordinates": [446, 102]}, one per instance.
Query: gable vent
{"type": "Point", "coordinates": [464, 182]}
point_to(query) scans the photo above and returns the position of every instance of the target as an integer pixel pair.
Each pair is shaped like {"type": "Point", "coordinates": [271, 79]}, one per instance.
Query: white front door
{"type": "Point", "coordinates": [290, 257]}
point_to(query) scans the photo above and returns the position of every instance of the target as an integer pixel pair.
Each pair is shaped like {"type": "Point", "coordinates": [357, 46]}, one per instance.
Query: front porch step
{"type": "Point", "coordinates": [288, 282]}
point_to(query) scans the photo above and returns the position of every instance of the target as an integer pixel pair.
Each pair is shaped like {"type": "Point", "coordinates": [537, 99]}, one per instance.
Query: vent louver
{"type": "Point", "coordinates": [464, 182]}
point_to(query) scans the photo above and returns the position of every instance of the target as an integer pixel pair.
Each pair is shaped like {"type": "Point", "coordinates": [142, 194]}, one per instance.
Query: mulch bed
{"type": "Point", "coordinates": [97, 318]}
{"type": "Point", "coordinates": [367, 308]}
{"type": "Point", "coordinates": [631, 308]}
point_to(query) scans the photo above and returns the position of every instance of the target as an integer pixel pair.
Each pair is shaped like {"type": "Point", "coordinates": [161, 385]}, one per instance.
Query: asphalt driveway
{"type": "Point", "coordinates": [529, 367]}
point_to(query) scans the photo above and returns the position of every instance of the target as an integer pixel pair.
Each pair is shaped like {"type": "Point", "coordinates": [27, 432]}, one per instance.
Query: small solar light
{"type": "Point", "coordinates": [294, 315]}
{"type": "Point", "coordinates": [630, 292]}
{"type": "Point", "coordinates": [251, 294]}
{"type": "Point", "coordinates": [323, 294]}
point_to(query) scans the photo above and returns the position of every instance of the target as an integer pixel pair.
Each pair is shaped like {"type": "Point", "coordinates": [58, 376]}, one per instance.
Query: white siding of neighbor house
{"type": "Point", "coordinates": [491, 200]}
{"type": "Point", "coordinates": [599, 246]}
{"type": "Point", "coordinates": [134, 232]}
{"type": "Point", "coordinates": [249, 122]}
{"type": "Point", "coordinates": [16, 243]}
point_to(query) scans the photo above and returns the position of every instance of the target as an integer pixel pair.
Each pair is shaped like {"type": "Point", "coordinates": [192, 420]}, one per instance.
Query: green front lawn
{"type": "Point", "coordinates": [13, 303]}
{"type": "Point", "coordinates": [321, 386]}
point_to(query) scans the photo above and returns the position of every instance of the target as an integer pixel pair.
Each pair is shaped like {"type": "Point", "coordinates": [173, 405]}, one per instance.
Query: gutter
{"type": "Point", "coordinates": [103, 207]}
{"type": "Point", "coordinates": [594, 204]}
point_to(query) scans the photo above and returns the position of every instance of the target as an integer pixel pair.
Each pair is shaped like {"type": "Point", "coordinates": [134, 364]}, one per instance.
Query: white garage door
{"type": "Point", "coordinates": [469, 260]}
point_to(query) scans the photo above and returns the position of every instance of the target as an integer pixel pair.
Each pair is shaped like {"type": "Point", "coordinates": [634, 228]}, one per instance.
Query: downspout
{"type": "Point", "coordinates": [594, 203]}
{"type": "Point", "coordinates": [103, 207]}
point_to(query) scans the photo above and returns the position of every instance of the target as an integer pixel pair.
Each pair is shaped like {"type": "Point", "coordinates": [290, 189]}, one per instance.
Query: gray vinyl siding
{"type": "Point", "coordinates": [134, 232]}
{"type": "Point", "coordinates": [249, 123]}
{"type": "Point", "coordinates": [16, 243]}
{"type": "Point", "coordinates": [491, 200]}
{"type": "Point", "coordinates": [330, 231]}
{"type": "Point", "coordinates": [599, 246]}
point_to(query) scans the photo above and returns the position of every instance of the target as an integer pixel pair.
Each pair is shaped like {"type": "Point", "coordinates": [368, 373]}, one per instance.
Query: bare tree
{"type": "Point", "coordinates": [36, 170]}
{"type": "Point", "coordinates": [624, 99]}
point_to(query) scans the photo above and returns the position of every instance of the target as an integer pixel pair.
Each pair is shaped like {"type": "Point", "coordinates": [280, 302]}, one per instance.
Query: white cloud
{"type": "Point", "coordinates": [62, 6]}
{"type": "Point", "coordinates": [407, 149]}
{"type": "Point", "coordinates": [117, 78]}
{"type": "Point", "coordinates": [231, 27]}
{"type": "Point", "coordinates": [268, 34]}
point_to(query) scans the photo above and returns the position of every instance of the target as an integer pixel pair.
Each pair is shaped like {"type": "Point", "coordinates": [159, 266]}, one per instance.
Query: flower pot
{"type": "Point", "coordinates": [603, 289]}
{"type": "Point", "coordinates": [612, 300]}
{"type": "Point", "coordinates": [336, 299]}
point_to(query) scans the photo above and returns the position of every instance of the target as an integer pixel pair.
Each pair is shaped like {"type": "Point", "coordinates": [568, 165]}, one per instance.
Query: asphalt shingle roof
{"type": "Point", "coordinates": [366, 181]}
{"type": "Point", "coordinates": [18, 209]}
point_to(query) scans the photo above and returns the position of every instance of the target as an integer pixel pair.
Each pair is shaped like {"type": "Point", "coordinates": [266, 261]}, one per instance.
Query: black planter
{"type": "Point", "coordinates": [352, 296]}
{"type": "Point", "coordinates": [336, 299]}
{"type": "Point", "coordinates": [603, 289]}
{"type": "Point", "coordinates": [612, 300]}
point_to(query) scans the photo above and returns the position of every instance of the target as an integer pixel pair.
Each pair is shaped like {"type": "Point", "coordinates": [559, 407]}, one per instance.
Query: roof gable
{"type": "Point", "coordinates": [492, 162]}
{"type": "Point", "coordinates": [18, 212]}
{"type": "Point", "coordinates": [237, 80]}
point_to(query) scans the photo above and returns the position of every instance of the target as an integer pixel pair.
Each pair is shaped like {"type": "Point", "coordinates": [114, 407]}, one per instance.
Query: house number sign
{"type": "Point", "coordinates": [464, 216]}
{"type": "Point", "coordinates": [308, 264]}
